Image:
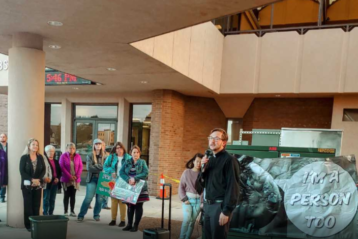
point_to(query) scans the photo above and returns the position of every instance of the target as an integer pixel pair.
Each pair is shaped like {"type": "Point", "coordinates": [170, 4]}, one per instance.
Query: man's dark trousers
{"type": "Point", "coordinates": [212, 229]}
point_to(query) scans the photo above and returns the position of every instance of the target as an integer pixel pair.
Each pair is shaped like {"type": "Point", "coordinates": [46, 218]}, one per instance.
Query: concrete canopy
{"type": "Point", "coordinates": [96, 34]}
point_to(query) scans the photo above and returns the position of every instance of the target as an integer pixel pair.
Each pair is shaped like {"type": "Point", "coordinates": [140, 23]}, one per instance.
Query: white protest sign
{"type": "Point", "coordinates": [321, 199]}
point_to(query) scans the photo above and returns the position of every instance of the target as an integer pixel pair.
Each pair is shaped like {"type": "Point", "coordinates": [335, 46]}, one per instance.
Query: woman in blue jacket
{"type": "Point", "coordinates": [112, 166]}
{"type": "Point", "coordinates": [132, 171]}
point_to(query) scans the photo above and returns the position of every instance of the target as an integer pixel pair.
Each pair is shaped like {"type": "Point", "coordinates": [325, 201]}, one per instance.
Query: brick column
{"type": "Point", "coordinates": [180, 127]}
{"type": "Point", "coordinates": [166, 138]}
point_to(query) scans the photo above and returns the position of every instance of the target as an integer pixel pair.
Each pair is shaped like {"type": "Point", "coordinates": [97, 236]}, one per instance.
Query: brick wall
{"type": "Point", "coordinates": [201, 116]}
{"type": "Point", "coordinates": [268, 113]}
{"type": "Point", "coordinates": [155, 139]}
{"type": "Point", "coordinates": [180, 126]}
{"type": "Point", "coordinates": [3, 114]}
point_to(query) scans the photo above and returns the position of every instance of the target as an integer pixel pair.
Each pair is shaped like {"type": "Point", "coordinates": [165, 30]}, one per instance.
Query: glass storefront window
{"type": "Point", "coordinates": [96, 111]}
{"type": "Point", "coordinates": [53, 125]}
{"type": "Point", "coordinates": [233, 130]}
{"type": "Point", "coordinates": [106, 133]}
{"type": "Point", "coordinates": [55, 139]}
{"type": "Point", "coordinates": [140, 128]}
{"type": "Point", "coordinates": [350, 115]}
{"type": "Point", "coordinates": [92, 122]}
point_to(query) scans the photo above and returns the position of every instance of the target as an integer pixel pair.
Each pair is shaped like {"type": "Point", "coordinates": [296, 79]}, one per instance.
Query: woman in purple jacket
{"type": "Point", "coordinates": [189, 196]}
{"type": "Point", "coordinates": [3, 169]}
{"type": "Point", "coordinates": [71, 166]}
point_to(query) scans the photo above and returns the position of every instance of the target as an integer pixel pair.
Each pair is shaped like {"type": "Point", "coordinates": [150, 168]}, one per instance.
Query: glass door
{"type": "Point", "coordinates": [140, 128]}
{"type": "Point", "coordinates": [85, 131]}
{"type": "Point", "coordinates": [106, 131]}
{"type": "Point", "coordinates": [83, 137]}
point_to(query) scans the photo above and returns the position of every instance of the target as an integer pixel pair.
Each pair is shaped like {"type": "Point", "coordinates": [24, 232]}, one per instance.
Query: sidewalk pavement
{"type": "Point", "coordinates": [89, 228]}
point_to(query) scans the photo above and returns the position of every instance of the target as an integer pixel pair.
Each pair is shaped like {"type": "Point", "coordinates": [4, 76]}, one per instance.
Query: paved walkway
{"type": "Point", "coordinates": [90, 228]}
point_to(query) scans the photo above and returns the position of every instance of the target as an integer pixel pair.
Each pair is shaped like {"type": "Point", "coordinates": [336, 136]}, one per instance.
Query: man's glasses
{"type": "Point", "coordinates": [216, 139]}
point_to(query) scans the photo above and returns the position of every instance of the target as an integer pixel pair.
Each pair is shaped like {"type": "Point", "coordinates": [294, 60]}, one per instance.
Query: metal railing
{"type": "Point", "coordinates": [226, 24]}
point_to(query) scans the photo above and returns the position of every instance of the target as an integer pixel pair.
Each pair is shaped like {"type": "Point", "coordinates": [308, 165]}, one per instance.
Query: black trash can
{"type": "Point", "coordinates": [44, 227]}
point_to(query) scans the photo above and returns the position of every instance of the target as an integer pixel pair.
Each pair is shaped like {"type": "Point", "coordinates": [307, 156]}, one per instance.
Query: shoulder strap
{"type": "Point", "coordinates": [111, 159]}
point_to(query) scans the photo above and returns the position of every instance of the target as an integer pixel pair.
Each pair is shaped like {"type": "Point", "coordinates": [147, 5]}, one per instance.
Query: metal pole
{"type": "Point", "coordinates": [272, 14]}
{"type": "Point", "coordinates": [319, 23]}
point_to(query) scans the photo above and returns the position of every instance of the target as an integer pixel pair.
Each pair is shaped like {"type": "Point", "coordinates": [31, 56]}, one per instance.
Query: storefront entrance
{"type": "Point", "coordinates": [92, 122]}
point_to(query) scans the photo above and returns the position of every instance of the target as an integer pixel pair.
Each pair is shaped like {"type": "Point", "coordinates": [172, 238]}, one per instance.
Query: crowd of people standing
{"type": "Point", "coordinates": [209, 185]}
{"type": "Point", "coordinates": [43, 174]}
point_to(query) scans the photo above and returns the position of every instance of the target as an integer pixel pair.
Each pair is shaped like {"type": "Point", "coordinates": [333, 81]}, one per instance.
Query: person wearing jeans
{"type": "Point", "coordinates": [189, 196]}
{"type": "Point", "coordinates": [105, 199]}
{"type": "Point", "coordinates": [94, 168]}
{"type": "Point", "coordinates": [50, 192]}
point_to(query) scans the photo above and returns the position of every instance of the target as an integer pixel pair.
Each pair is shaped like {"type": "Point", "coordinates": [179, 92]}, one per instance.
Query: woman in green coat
{"type": "Point", "coordinates": [133, 170]}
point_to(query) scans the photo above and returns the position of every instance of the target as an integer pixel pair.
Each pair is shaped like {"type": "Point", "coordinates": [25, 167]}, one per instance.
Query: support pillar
{"type": "Point", "coordinates": [66, 110]}
{"type": "Point", "coordinates": [26, 109]}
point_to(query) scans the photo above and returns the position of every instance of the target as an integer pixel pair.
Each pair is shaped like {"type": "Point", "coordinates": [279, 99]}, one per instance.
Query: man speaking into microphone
{"type": "Point", "coordinates": [220, 179]}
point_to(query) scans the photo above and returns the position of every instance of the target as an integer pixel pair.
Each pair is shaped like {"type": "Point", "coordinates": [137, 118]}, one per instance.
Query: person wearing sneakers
{"type": "Point", "coordinates": [105, 199]}
{"type": "Point", "coordinates": [112, 166]}
{"type": "Point", "coordinates": [189, 196]}
{"type": "Point", "coordinates": [71, 167]}
{"type": "Point", "coordinates": [94, 168]}
{"type": "Point", "coordinates": [133, 170]}
{"type": "Point", "coordinates": [50, 192]}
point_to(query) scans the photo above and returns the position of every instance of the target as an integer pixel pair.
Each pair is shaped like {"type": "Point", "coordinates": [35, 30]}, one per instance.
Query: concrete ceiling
{"type": "Point", "coordinates": [96, 35]}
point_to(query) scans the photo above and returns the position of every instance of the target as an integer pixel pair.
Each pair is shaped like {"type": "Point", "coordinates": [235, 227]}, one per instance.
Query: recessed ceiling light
{"type": "Point", "coordinates": [56, 47]}
{"type": "Point", "coordinates": [55, 23]}
{"type": "Point", "coordinates": [144, 82]}
{"type": "Point", "coordinates": [111, 69]}
{"type": "Point", "coordinates": [76, 88]}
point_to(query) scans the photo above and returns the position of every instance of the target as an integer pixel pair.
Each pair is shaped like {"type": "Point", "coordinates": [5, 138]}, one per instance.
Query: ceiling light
{"type": "Point", "coordinates": [144, 82]}
{"type": "Point", "coordinates": [76, 88]}
{"type": "Point", "coordinates": [111, 69]}
{"type": "Point", "coordinates": [55, 23]}
{"type": "Point", "coordinates": [278, 95]}
{"type": "Point", "coordinates": [56, 47]}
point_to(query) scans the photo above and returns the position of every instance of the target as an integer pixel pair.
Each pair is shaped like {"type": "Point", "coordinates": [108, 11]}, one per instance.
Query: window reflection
{"type": "Point", "coordinates": [233, 130]}
{"type": "Point", "coordinates": [55, 125]}
{"type": "Point", "coordinates": [141, 125]}
{"type": "Point", "coordinates": [96, 111]}
{"type": "Point", "coordinates": [106, 134]}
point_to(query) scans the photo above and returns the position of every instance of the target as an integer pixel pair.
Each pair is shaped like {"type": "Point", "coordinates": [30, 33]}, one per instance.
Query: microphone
{"type": "Point", "coordinates": [208, 154]}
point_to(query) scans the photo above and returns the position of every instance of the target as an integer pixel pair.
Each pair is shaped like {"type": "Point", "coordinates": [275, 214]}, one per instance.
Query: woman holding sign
{"type": "Point", "coordinates": [133, 170]}
{"type": "Point", "coordinates": [112, 166]}
{"type": "Point", "coordinates": [94, 167]}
